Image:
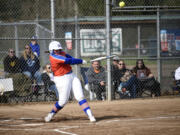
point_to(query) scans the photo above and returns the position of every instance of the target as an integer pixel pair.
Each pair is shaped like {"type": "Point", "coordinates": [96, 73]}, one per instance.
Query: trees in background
{"type": "Point", "coordinates": [15, 10]}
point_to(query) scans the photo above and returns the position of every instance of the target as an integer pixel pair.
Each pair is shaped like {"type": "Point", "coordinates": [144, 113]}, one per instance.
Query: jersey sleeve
{"type": "Point", "coordinates": [70, 60]}
{"type": "Point", "coordinates": [68, 56]}
{"type": "Point", "coordinates": [65, 60]}
{"type": "Point", "coordinates": [73, 61]}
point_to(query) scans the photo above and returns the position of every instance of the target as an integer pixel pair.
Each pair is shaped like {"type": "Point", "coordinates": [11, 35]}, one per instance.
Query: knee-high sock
{"type": "Point", "coordinates": [56, 108]}
{"type": "Point", "coordinates": [83, 103]}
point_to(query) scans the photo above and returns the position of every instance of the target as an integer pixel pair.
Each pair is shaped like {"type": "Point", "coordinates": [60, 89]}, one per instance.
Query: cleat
{"type": "Point", "coordinates": [92, 119]}
{"type": "Point", "coordinates": [49, 117]}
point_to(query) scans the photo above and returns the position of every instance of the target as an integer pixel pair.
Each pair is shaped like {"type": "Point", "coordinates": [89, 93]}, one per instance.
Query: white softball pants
{"type": "Point", "coordinates": [64, 85]}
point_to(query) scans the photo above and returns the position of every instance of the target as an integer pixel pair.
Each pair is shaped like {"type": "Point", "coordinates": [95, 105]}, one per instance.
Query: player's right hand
{"type": "Point", "coordinates": [84, 62]}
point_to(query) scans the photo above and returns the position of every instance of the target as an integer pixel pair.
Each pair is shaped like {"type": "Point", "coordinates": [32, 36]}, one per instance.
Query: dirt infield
{"type": "Point", "coordinates": [159, 116]}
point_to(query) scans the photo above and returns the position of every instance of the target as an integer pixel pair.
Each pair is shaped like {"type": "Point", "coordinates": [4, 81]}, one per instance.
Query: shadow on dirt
{"type": "Point", "coordinates": [76, 118]}
{"type": "Point", "coordinates": [110, 117]}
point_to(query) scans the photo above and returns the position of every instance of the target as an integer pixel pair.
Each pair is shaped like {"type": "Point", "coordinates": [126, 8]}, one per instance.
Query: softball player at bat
{"type": "Point", "coordinates": [65, 80]}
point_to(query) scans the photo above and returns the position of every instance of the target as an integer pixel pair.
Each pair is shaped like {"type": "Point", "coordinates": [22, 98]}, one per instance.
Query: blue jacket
{"type": "Point", "coordinates": [35, 48]}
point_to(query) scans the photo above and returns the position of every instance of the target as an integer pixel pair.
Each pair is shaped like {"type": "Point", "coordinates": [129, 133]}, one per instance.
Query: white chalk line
{"type": "Point", "coordinates": [138, 119]}
{"type": "Point", "coordinates": [24, 129]}
{"type": "Point", "coordinates": [30, 118]}
{"type": "Point", "coordinates": [36, 124]}
{"type": "Point", "coordinates": [68, 133]}
{"type": "Point", "coordinates": [32, 124]}
{"type": "Point", "coordinates": [68, 127]}
{"type": "Point", "coordinates": [21, 119]}
{"type": "Point", "coordinates": [23, 125]}
{"type": "Point", "coordinates": [40, 130]}
{"type": "Point", "coordinates": [6, 120]}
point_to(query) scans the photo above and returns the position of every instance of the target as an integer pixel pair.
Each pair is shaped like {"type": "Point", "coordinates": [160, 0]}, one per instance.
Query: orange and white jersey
{"type": "Point", "coordinates": [61, 63]}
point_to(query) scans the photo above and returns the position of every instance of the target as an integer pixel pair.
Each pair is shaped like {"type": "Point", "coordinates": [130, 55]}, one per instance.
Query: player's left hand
{"type": "Point", "coordinates": [84, 62]}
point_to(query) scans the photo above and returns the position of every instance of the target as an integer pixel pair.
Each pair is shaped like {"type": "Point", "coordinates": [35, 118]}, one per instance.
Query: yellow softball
{"type": "Point", "coordinates": [121, 4]}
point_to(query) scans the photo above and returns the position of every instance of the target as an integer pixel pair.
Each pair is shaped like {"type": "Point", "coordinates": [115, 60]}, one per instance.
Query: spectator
{"type": "Point", "coordinates": [146, 78]}
{"type": "Point", "coordinates": [30, 64]}
{"type": "Point", "coordinates": [177, 74]}
{"type": "Point", "coordinates": [128, 82]}
{"type": "Point", "coordinates": [177, 78]}
{"type": "Point", "coordinates": [11, 63]}
{"type": "Point", "coordinates": [48, 79]}
{"type": "Point", "coordinates": [96, 79]}
{"type": "Point", "coordinates": [35, 46]}
{"type": "Point", "coordinates": [115, 74]}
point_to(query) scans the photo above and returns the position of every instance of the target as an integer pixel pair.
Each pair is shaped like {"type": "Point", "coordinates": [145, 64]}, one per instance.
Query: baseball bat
{"type": "Point", "coordinates": [102, 58]}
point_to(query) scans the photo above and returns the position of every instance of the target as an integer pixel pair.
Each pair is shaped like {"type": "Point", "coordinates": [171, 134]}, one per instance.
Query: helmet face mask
{"type": "Point", "coordinates": [57, 51]}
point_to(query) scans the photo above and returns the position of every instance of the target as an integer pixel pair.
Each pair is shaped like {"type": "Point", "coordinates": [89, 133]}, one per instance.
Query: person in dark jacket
{"type": "Point", "coordinates": [97, 79]}
{"type": "Point", "coordinates": [48, 79]}
{"type": "Point", "coordinates": [30, 64]}
{"type": "Point", "coordinates": [11, 63]}
{"type": "Point", "coordinates": [115, 75]}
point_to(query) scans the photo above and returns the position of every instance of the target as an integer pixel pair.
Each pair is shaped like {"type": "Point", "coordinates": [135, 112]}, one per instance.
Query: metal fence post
{"type": "Point", "coordinates": [37, 28]}
{"type": "Point", "coordinates": [139, 41]}
{"type": "Point", "coordinates": [77, 46]}
{"type": "Point", "coordinates": [158, 46]}
{"type": "Point", "coordinates": [52, 19]}
{"type": "Point", "coordinates": [16, 41]}
{"type": "Point", "coordinates": [77, 42]}
{"type": "Point", "coordinates": [108, 49]}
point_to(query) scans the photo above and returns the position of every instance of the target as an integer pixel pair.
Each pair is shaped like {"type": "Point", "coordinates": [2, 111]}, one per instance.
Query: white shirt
{"type": "Point", "coordinates": [177, 74]}
{"type": "Point", "coordinates": [51, 76]}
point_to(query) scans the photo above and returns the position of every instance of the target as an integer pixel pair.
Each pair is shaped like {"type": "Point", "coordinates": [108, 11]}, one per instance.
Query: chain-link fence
{"type": "Point", "coordinates": [147, 30]}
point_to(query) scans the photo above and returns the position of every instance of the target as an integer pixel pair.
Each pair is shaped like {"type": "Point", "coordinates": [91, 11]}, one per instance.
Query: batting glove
{"type": "Point", "coordinates": [84, 62]}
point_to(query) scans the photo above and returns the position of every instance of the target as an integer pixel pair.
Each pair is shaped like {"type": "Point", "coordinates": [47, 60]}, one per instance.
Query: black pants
{"type": "Point", "coordinates": [98, 90]}
{"type": "Point", "coordinates": [115, 88]}
{"type": "Point", "coordinates": [151, 84]}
